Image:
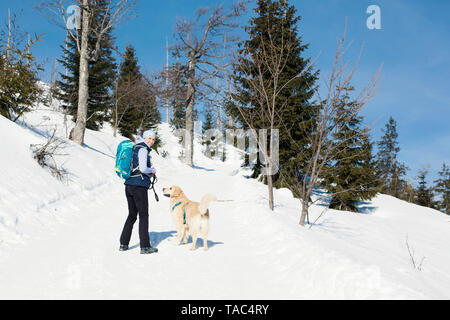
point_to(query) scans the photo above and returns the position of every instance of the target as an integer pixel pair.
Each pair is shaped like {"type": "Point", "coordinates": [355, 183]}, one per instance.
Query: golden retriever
{"type": "Point", "coordinates": [189, 216]}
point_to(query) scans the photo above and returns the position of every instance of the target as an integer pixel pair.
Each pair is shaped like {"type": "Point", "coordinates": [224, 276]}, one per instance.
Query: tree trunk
{"type": "Point", "coordinates": [304, 213]}
{"type": "Point", "coordinates": [116, 109]}
{"type": "Point", "coordinates": [219, 112]}
{"type": "Point", "coordinates": [189, 137]}
{"type": "Point", "coordinates": [83, 91]}
{"type": "Point", "coordinates": [270, 168]}
{"type": "Point", "coordinates": [116, 124]}
{"type": "Point", "coordinates": [8, 46]}
{"type": "Point", "coordinates": [270, 186]}
{"type": "Point", "coordinates": [167, 80]}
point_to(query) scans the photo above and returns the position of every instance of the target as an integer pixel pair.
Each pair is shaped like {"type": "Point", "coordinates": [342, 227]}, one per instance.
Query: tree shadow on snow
{"type": "Point", "coordinates": [41, 132]}
{"type": "Point", "coordinates": [204, 169]}
{"type": "Point", "coordinates": [365, 207]}
{"type": "Point", "coordinates": [93, 149]}
{"type": "Point", "coordinates": [340, 229]}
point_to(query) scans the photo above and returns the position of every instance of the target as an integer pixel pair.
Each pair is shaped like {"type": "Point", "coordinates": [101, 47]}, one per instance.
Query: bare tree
{"type": "Point", "coordinates": [113, 12]}
{"type": "Point", "coordinates": [140, 95]}
{"type": "Point", "coordinates": [166, 77]}
{"type": "Point", "coordinates": [199, 41]}
{"type": "Point", "coordinates": [148, 95]}
{"type": "Point", "coordinates": [174, 92]}
{"type": "Point", "coordinates": [220, 87]}
{"type": "Point", "coordinates": [328, 121]}
{"type": "Point", "coordinates": [124, 91]}
{"type": "Point", "coordinates": [45, 154]}
{"type": "Point", "coordinates": [53, 88]}
{"type": "Point", "coordinates": [8, 45]}
{"type": "Point", "coordinates": [262, 72]}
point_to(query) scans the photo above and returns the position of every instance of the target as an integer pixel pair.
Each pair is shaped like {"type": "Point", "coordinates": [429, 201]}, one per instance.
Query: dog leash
{"type": "Point", "coordinates": [152, 186]}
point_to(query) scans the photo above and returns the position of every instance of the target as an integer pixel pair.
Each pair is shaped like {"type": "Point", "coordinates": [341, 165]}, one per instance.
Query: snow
{"type": "Point", "coordinates": [60, 240]}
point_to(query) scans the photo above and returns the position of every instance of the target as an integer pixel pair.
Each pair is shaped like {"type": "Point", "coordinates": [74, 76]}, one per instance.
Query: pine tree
{"type": "Point", "coordinates": [129, 77]}
{"type": "Point", "coordinates": [102, 74]}
{"type": "Point", "coordinates": [208, 124]}
{"type": "Point", "coordinates": [442, 189]}
{"type": "Point", "coordinates": [351, 176]}
{"type": "Point", "coordinates": [147, 108]}
{"type": "Point", "coordinates": [176, 95]}
{"type": "Point", "coordinates": [390, 170]}
{"type": "Point", "coordinates": [424, 194]}
{"type": "Point", "coordinates": [19, 88]}
{"type": "Point", "coordinates": [278, 20]}
{"type": "Point", "coordinates": [137, 107]}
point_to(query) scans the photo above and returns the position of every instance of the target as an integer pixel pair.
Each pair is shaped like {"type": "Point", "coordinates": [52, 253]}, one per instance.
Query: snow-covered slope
{"type": "Point", "coordinates": [60, 239]}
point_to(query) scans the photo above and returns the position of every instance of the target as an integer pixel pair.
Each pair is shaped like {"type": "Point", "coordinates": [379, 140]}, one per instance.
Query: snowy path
{"type": "Point", "coordinates": [81, 260]}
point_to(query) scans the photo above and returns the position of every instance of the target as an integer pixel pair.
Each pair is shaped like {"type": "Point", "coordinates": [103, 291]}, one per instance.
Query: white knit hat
{"type": "Point", "coordinates": [148, 133]}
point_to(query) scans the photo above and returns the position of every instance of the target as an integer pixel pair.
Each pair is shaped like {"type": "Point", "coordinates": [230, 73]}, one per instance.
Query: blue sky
{"type": "Point", "coordinates": [413, 45]}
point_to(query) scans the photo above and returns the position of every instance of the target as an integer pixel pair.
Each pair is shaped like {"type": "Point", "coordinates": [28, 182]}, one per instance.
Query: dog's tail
{"type": "Point", "coordinates": [204, 203]}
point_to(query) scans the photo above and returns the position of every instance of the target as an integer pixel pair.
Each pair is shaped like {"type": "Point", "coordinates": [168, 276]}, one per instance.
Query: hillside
{"type": "Point", "coordinates": [60, 239]}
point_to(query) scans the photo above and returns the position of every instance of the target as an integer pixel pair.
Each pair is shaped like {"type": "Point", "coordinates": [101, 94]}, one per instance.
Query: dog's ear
{"type": "Point", "coordinates": [176, 191]}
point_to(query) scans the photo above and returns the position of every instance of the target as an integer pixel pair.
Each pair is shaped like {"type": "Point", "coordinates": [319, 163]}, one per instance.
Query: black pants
{"type": "Point", "coordinates": [137, 198]}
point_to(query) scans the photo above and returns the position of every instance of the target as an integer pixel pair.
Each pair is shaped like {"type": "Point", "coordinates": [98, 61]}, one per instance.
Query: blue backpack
{"type": "Point", "coordinates": [124, 159]}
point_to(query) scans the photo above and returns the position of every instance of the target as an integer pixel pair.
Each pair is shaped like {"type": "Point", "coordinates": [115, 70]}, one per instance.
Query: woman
{"type": "Point", "coordinates": [136, 191]}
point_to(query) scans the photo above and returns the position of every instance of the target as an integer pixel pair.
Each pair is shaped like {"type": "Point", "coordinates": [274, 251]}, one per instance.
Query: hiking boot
{"type": "Point", "coordinates": [148, 250]}
{"type": "Point", "coordinates": [123, 247]}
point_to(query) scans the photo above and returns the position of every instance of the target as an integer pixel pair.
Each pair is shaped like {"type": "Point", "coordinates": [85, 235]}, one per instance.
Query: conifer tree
{"type": "Point", "coordinates": [390, 170]}
{"type": "Point", "coordinates": [19, 88]}
{"type": "Point", "coordinates": [178, 121]}
{"type": "Point", "coordinates": [277, 21]}
{"type": "Point", "coordinates": [147, 107]}
{"type": "Point", "coordinates": [424, 194]}
{"type": "Point", "coordinates": [176, 93]}
{"type": "Point", "coordinates": [102, 73]}
{"type": "Point", "coordinates": [137, 108]}
{"type": "Point", "coordinates": [129, 77]}
{"type": "Point", "coordinates": [350, 177]}
{"type": "Point", "coordinates": [208, 124]}
{"type": "Point", "coordinates": [442, 189]}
